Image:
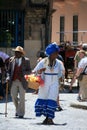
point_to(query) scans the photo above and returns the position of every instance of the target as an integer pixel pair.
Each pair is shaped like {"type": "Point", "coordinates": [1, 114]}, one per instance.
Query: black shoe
{"type": "Point", "coordinates": [21, 117]}
{"type": "Point", "coordinates": [79, 98]}
{"type": "Point", "coordinates": [16, 114]}
{"type": "Point", "coordinates": [59, 108]}
{"type": "Point", "coordinates": [45, 121]}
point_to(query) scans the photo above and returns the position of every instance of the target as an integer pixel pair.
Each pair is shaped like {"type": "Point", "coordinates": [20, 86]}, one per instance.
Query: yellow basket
{"type": "Point", "coordinates": [33, 85]}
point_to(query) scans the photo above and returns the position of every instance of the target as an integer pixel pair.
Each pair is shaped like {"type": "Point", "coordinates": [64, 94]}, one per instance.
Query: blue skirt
{"type": "Point", "coordinates": [45, 107]}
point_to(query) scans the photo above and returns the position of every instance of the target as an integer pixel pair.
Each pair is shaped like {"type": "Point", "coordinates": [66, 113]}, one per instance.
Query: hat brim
{"type": "Point", "coordinates": [15, 50]}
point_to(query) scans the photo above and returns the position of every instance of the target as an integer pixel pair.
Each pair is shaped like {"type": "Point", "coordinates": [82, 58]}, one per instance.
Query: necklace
{"type": "Point", "coordinates": [51, 65]}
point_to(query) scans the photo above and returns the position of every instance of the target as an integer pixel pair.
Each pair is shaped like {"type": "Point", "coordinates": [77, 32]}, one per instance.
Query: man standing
{"type": "Point", "coordinates": [18, 67]}
{"type": "Point", "coordinates": [82, 71]}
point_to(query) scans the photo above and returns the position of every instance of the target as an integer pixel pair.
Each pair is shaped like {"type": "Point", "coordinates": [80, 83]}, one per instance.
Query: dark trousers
{"type": "Point", "coordinates": [1, 86]}
{"type": "Point", "coordinates": [1, 90]}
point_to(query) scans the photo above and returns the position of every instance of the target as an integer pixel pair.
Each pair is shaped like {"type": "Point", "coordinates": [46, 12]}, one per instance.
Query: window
{"type": "Point", "coordinates": [75, 28]}
{"type": "Point", "coordinates": [62, 20]}
{"type": "Point", "coordinates": [11, 28]}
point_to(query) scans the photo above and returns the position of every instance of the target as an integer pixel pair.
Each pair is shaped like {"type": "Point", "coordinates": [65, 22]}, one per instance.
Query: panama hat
{"type": "Point", "coordinates": [19, 49]}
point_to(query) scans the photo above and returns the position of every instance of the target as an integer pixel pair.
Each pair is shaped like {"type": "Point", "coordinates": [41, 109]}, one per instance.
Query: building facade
{"type": "Point", "coordinates": [33, 24]}
{"type": "Point", "coordinates": [25, 23]}
{"type": "Point", "coordinates": [69, 22]}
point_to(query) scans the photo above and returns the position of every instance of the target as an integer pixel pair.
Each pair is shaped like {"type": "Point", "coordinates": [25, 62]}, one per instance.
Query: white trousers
{"type": "Point", "coordinates": [18, 97]}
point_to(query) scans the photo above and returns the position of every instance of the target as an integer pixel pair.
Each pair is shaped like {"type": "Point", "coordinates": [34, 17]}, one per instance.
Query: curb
{"type": "Point", "coordinates": [78, 106]}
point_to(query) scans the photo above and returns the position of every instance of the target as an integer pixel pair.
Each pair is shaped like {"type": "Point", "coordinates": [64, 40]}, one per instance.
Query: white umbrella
{"type": "Point", "coordinates": [4, 56]}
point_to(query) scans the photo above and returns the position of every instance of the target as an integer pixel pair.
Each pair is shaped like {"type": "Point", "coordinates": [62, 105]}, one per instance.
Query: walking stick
{"type": "Point", "coordinates": [6, 99]}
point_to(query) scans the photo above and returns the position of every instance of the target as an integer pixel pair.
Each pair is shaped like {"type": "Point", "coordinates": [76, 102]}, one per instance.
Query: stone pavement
{"type": "Point", "coordinates": [71, 118]}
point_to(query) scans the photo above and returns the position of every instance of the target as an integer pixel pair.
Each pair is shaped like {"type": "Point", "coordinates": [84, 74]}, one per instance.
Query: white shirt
{"type": "Point", "coordinates": [18, 61]}
{"type": "Point", "coordinates": [83, 64]}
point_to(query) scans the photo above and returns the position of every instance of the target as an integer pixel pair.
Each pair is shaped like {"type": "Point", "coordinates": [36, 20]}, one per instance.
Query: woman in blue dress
{"type": "Point", "coordinates": [50, 69]}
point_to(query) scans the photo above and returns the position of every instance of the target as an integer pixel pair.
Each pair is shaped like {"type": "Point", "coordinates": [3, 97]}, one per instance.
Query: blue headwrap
{"type": "Point", "coordinates": [51, 48]}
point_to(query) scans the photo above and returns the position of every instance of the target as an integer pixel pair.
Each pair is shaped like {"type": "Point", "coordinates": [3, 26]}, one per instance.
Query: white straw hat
{"type": "Point", "coordinates": [19, 49]}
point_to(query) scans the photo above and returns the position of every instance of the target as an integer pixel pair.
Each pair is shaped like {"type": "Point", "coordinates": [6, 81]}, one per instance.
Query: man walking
{"type": "Point", "coordinates": [18, 67]}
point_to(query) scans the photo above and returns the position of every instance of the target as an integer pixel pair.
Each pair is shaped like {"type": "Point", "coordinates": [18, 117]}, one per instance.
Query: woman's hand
{"type": "Point", "coordinates": [41, 70]}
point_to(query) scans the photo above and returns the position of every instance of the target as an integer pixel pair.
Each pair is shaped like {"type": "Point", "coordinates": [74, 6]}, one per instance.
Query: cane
{"type": "Point", "coordinates": [6, 99]}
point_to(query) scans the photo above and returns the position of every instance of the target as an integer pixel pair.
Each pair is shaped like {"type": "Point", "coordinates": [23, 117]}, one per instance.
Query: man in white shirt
{"type": "Point", "coordinates": [82, 70]}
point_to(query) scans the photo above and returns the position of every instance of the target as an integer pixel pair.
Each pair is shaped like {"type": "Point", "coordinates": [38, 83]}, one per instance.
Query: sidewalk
{"type": "Point", "coordinates": [70, 118]}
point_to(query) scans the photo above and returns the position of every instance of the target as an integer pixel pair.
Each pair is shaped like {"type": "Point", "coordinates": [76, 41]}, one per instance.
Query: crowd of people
{"type": "Point", "coordinates": [80, 71]}
{"type": "Point", "coordinates": [50, 66]}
